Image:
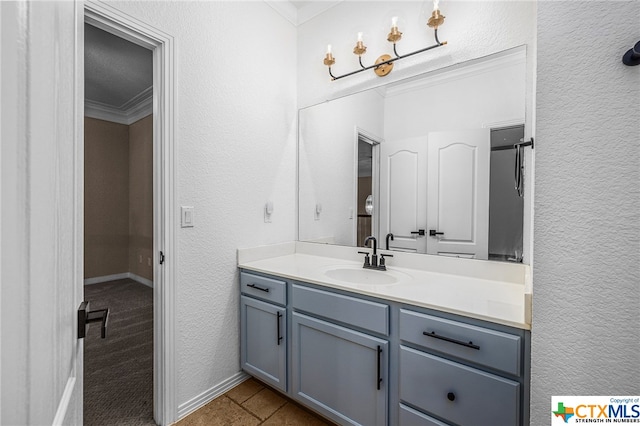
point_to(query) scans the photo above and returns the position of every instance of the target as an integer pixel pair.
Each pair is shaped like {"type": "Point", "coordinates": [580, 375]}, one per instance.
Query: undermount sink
{"type": "Point", "coordinates": [359, 275]}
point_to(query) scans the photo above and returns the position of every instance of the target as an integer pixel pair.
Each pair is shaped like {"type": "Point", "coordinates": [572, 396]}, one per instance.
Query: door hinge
{"type": "Point", "coordinates": [161, 258]}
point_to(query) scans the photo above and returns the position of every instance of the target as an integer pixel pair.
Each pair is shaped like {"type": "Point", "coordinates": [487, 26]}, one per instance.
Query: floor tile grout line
{"type": "Point", "coordinates": [246, 409]}
{"type": "Point", "coordinates": [277, 409]}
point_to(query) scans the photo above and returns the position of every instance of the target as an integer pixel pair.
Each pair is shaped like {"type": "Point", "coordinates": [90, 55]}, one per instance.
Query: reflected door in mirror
{"type": "Point", "coordinates": [458, 185]}
{"type": "Point", "coordinates": [403, 172]}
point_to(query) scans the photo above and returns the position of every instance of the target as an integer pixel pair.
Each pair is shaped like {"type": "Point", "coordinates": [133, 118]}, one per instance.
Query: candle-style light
{"type": "Point", "coordinates": [395, 35]}
{"type": "Point", "coordinates": [328, 59]}
{"type": "Point", "coordinates": [436, 18]}
{"type": "Point", "coordinates": [360, 47]}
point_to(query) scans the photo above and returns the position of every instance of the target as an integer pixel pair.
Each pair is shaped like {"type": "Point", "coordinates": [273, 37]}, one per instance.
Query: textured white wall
{"type": "Point", "coordinates": [236, 136]}
{"type": "Point", "coordinates": [586, 320]}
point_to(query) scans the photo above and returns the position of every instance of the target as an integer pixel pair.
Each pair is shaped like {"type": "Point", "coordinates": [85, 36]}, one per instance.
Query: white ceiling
{"type": "Point", "coordinates": [116, 71]}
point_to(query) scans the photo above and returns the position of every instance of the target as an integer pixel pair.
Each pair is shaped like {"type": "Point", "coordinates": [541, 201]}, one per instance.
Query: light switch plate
{"type": "Point", "coordinates": [268, 211]}
{"type": "Point", "coordinates": [186, 216]}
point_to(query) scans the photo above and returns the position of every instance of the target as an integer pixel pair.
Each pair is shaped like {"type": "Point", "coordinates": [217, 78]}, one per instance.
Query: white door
{"type": "Point", "coordinates": [458, 187]}
{"type": "Point", "coordinates": [41, 240]}
{"type": "Point", "coordinates": [403, 193]}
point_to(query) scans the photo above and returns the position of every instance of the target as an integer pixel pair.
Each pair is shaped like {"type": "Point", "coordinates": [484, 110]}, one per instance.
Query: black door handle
{"type": "Point", "coordinates": [85, 317]}
{"type": "Point", "coordinates": [419, 232]}
{"type": "Point", "coordinates": [379, 379]}
{"type": "Point", "coordinates": [278, 327]}
{"type": "Point", "coordinates": [433, 233]}
{"type": "Point", "coordinates": [257, 287]}
{"type": "Point", "coordinates": [449, 339]}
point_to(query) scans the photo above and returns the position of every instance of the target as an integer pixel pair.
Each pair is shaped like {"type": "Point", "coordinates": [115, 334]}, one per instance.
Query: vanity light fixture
{"type": "Point", "coordinates": [384, 64]}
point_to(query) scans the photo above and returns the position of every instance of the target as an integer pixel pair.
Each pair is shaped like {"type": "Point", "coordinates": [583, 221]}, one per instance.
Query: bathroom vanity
{"type": "Point", "coordinates": [433, 344]}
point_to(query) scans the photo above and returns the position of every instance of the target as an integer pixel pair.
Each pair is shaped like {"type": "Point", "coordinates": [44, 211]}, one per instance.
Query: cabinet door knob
{"type": "Point", "coordinates": [451, 396]}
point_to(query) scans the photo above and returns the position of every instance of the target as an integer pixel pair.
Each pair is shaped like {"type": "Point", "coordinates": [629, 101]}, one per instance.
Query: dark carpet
{"type": "Point", "coordinates": [118, 370]}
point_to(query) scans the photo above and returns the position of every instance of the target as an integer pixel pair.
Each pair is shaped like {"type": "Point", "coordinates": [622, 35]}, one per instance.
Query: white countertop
{"type": "Point", "coordinates": [492, 298]}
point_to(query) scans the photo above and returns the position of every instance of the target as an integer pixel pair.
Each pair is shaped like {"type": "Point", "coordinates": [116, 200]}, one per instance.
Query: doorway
{"type": "Point", "coordinates": [506, 204]}
{"type": "Point", "coordinates": [367, 187]}
{"type": "Point", "coordinates": [108, 19]}
{"type": "Point", "coordinates": [118, 231]}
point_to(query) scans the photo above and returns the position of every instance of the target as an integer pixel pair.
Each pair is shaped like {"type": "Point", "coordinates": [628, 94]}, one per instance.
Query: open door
{"type": "Point", "coordinates": [458, 186]}
{"type": "Point", "coordinates": [41, 213]}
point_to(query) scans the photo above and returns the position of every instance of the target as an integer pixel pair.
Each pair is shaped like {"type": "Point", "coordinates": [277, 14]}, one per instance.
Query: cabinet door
{"type": "Point", "coordinates": [340, 372]}
{"type": "Point", "coordinates": [263, 341]}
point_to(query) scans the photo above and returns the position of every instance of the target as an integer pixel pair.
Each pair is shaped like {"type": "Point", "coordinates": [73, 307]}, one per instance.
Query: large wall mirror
{"type": "Point", "coordinates": [426, 165]}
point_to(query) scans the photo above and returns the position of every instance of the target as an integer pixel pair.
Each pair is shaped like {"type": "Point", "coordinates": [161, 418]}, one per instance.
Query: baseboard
{"type": "Point", "coordinates": [210, 394]}
{"type": "Point", "coordinates": [141, 280]}
{"type": "Point", "coordinates": [121, 276]}
{"type": "Point", "coordinates": [105, 278]}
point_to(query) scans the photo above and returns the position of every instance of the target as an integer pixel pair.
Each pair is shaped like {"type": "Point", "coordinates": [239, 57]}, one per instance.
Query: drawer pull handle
{"type": "Point", "coordinates": [266, 290]}
{"type": "Point", "coordinates": [451, 396]}
{"type": "Point", "coordinates": [449, 339]}
{"type": "Point", "coordinates": [379, 378]}
{"type": "Point", "coordinates": [278, 325]}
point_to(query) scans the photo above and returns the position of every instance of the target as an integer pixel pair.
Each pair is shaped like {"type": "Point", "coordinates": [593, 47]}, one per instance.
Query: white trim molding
{"type": "Point", "coordinates": [210, 394]}
{"type": "Point", "coordinates": [128, 113]}
{"type": "Point", "coordinates": [298, 16]}
{"type": "Point", "coordinates": [114, 21]}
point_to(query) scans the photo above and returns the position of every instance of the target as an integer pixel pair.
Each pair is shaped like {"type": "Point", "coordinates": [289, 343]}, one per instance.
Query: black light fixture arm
{"type": "Point", "coordinates": [389, 61]}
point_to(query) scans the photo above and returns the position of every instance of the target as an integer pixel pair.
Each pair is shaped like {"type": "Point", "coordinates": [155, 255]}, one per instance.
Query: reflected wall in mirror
{"type": "Point", "coordinates": [429, 155]}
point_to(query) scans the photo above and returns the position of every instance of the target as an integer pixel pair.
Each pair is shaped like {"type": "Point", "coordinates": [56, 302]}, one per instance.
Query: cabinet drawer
{"type": "Point", "coordinates": [457, 393]}
{"type": "Point", "coordinates": [263, 288]}
{"type": "Point", "coordinates": [411, 417]}
{"type": "Point", "coordinates": [360, 313]}
{"type": "Point", "coordinates": [494, 349]}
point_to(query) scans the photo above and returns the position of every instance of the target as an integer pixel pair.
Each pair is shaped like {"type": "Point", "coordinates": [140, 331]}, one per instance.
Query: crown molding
{"type": "Point", "coordinates": [286, 9]}
{"type": "Point", "coordinates": [314, 9]}
{"type": "Point", "coordinates": [298, 16]}
{"type": "Point", "coordinates": [128, 113]}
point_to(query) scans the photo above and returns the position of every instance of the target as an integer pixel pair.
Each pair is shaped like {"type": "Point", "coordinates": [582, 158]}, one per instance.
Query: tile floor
{"type": "Point", "coordinates": [252, 403]}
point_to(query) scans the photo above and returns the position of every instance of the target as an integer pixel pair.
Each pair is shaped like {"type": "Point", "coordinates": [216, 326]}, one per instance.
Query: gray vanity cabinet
{"type": "Point", "coordinates": [338, 367]}
{"type": "Point", "coordinates": [340, 372]}
{"type": "Point", "coordinates": [361, 360]}
{"type": "Point", "coordinates": [263, 349]}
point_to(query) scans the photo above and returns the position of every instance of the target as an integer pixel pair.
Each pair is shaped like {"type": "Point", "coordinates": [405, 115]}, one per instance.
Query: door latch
{"type": "Point", "coordinates": [161, 258]}
{"type": "Point", "coordinates": [85, 317]}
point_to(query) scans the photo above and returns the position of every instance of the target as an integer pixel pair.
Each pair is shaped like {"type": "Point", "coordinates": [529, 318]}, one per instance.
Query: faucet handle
{"type": "Point", "coordinates": [367, 262]}
{"type": "Point", "coordinates": [382, 256]}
